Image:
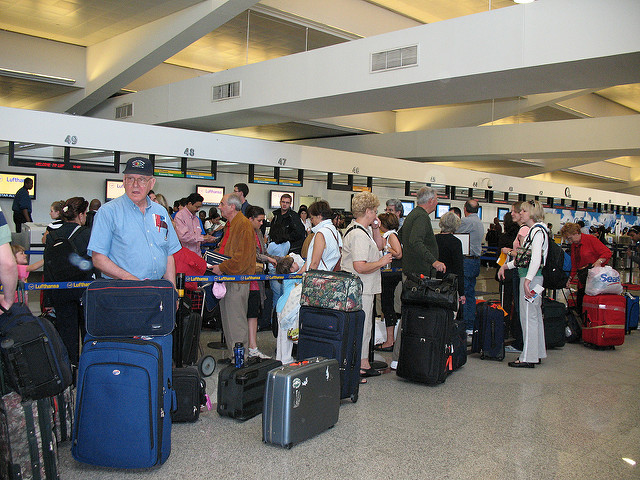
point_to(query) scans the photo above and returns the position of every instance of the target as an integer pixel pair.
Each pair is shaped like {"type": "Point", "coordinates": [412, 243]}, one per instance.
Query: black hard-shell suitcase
{"type": "Point", "coordinates": [241, 390]}
{"type": "Point", "coordinates": [488, 331]}
{"type": "Point", "coordinates": [335, 334]}
{"type": "Point", "coordinates": [191, 394]}
{"type": "Point", "coordinates": [554, 315]}
{"type": "Point", "coordinates": [425, 354]}
{"type": "Point", "coordinates": [301, 400]}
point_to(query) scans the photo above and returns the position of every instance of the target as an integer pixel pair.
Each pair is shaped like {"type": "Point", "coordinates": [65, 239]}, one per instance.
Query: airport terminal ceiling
{"type": "Point", "coordinates": [254, 32]}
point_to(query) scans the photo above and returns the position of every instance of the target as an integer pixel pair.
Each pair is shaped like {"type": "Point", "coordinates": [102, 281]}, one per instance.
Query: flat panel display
{"type": "Point", "coordinates": [114, 189]}
{"type": "Point", "coordinates": [275, 195]}
{"type": "Point", "coordinates": [465, 238]}
{"type": "Point", "coordinates": [442, 208]}
{"type": "Point", "coordinates": [10, 183]}
{"type": "Point", "coordinates": [212, 195]}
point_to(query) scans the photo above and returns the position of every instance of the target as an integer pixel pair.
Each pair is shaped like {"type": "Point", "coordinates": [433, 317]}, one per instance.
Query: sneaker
{"type": "Point", "coordinates": [254, 352]}
{"type": "Point", "coordinates": [511, 349]}
{"type": "Point", "coordinates": [394, 365]}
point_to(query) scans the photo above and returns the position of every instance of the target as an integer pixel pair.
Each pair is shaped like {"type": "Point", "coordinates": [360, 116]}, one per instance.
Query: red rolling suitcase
{"type": "Point", "coordinates": [604, 320]}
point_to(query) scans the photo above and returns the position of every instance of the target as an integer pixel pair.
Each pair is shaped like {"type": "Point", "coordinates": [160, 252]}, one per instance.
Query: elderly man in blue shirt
{"type": "Point", "coordinates": [472, 225]}
{"type": "Point", "coordinates": [132, 237]}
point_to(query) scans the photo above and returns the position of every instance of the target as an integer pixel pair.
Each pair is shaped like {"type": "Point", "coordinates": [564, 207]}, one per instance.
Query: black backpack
{"type": "Point", "coordinates": [554, 276]}
{"type": "Point", "coordinates": [62, 262]}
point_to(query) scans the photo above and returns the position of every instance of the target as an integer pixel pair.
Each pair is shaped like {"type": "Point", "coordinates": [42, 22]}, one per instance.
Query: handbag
{"type": "Point", "coordinates": [523, 257]}
{"type": "Point", "coordinates": [433, 292]}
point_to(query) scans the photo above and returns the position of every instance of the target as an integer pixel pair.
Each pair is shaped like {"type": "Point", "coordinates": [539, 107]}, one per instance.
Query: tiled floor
{"type": "Point", "coordinates": [574, 416]}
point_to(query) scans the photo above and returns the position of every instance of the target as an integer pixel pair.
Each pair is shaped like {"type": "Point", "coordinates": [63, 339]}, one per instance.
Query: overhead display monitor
{"type": "Point", "coordinates": [10, 183]}
{"type": "Point", "coordinates": [212, 195]}
{"type": "Point", "coordinates": [114, 189]}
{"type": "Point", "coordinates": [275, 195]}
{"type": "Point", "coordinates": [501, 213]}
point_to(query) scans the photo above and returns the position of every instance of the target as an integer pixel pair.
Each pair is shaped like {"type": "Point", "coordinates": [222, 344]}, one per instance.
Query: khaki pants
{"type": "Point", "coordinates": [233, 308]}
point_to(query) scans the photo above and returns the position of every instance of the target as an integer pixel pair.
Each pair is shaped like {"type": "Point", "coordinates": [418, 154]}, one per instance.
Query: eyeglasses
{"type": "Point", "coordinates": [142, 181]}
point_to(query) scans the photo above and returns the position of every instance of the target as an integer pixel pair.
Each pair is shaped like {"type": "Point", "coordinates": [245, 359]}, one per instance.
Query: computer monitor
{"type": "Point", "coordinates": [10, 183]}
{"type": "Point", "coordinates": [442, 208]}
{"type": "Point", "coordinates": [501, 213]}
{"type": "Point", "coordinates": [465, 238]}
{"type": "Point", "coordinates": [113, 189]}
{"type": "Point", "coordinates": [407, 206]}
{"type": "Point", "coordinates": [480, 213]}
{"type": "Point", "coordinates": [212, 195]}
{"type": "Point", "coordinates": [275, 195]}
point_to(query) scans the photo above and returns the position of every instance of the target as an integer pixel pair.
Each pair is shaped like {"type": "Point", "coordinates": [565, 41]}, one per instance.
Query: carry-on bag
{"type": "Point", "coordinates": [334, 334]}
{"type": "Point", "coordinates": [433, 292]}
{"type": "Point", "coordinates": [191, 324]}
{"type": "Point", "coordinates": [123, 402]}
{"type": "Point", "coordinates": [241, 390]}
{"type": "Point", "coordinates": [28, 446]}
{"type": "Point", "coordinates": [33, 353]}
{"type": "Point", "coordinates": [632, 313]}
{"type": "Point", "coordinates": [126, 308]}
{"type": "Point", "coordinates": [425, 353]}
{"type": "Point", "coordinates": [334, 290]}
{"type": "Point", "coordinates": [301, 400]}
{"type": "Point", "coordinates": [554, 317]}
{"type": "Point", "coordinates": [488, 331]}
{"type": "Point", "coordinates": [191, 394]}
{"type": "Point", "coordinates": [603, 320]}
{"type": "Point", "coordinates": [458, 342]}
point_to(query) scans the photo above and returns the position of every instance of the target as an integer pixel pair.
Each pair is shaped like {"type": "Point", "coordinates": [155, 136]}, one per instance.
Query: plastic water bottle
{"type": "Point", "coordinates": [238, 354]}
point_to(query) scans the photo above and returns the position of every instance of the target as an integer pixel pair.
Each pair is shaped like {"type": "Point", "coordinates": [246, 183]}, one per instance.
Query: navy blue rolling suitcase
{"type": "Point", "coordinates": [633, 312]}
{"type": "Point", "coordinates": [334, 334]}
{"type": "Point", "coordinates": [123, 402]}
{"type": "Point", "coordinates": [488, 331]}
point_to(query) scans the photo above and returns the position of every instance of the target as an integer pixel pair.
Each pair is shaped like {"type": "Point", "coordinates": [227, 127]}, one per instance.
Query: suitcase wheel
{"type": "Point", "coordinates": [354, 396]}
{"type": "Point", "coordinates": [207, 365]}
{"type": "Point", "coordinates": [288, 446]}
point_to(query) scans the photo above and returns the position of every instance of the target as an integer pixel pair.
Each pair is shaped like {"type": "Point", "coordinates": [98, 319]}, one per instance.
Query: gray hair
{"type": "Point", "coordinates": [235, 201]}
{"type": "Point", "coordinates": [396, 204]}
{"type": "Point", "coordinates": [449, 222]}
{"type": "Point", "coordinates": [425, 194]}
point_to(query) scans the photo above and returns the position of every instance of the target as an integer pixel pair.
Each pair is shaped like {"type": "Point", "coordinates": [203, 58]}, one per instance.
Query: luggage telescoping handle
{"type": "Point", "coordinates": [179, 333]}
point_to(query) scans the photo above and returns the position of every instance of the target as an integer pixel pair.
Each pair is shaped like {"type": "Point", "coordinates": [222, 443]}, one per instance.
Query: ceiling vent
{"type": "Point", "coordinates": [396, 58]}
{"type": "Point", "coordinates": [124, 111]}
{"type": "Point", "coordinates": [227, 90]}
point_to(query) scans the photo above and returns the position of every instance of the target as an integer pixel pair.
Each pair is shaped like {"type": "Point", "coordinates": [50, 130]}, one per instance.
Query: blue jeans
{"type": "Point", "coordinates": [276, 288]}
{"type": "Point", "coordinates": [471, 272]}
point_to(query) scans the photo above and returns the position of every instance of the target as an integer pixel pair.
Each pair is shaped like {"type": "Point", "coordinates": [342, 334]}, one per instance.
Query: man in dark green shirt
{"type": "Point", "coordinates": [419, 246]}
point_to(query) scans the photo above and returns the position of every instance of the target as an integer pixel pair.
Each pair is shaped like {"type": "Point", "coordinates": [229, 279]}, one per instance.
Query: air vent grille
{"type": "Point", "coordinates": [227, 90]}
{"type": "Point", "coordinates": [396, 58]}
{"type": "Point", "coordinates": [124, 111]}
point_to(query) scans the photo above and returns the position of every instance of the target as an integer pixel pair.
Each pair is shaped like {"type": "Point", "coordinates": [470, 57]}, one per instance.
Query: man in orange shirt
{"type": "Point", "coordinates": [238, 242]}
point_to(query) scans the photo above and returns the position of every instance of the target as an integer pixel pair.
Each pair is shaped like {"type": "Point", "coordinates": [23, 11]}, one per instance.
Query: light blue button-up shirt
{"type": "Point", "coordinates": [472, 225]}
{"type": "Point", "coordinates": [136, 242]}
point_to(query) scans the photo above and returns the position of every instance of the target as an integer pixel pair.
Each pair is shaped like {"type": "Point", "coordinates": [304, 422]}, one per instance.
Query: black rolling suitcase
{"type": "Point", "coordinates": [241, 390]}
{"type": "Point", "coordinates": [488, 331]}
{"type": "Point", "coordinates": [191, 393]}
{"type": "Point", "coordinates": [334, 334]}
{"type": "Point", "coordinates": [188, 326]}
{"type": "Point", "coordinates": [425, 354]}
{"type": "Point", "coordinates": [554, 315]}
{"type": "Point", "coordinates": [458, 342]}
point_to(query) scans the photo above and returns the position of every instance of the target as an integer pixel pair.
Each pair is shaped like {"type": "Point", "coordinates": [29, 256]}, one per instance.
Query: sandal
{"type": "Point", "coordinates": [519, 364]}
{"type": "Point", "coordinates": [370, 372]}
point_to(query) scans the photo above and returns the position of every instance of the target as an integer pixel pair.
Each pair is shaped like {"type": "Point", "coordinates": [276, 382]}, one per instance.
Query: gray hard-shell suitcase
{"type": "Point", "coordinates": [300, 400]}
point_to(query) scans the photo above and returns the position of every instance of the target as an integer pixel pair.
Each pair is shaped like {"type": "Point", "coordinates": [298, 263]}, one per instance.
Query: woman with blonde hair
{"type": "Point", "coordinates": [529, 262]}
{"type": "Point", "coordinates": [361, 247]}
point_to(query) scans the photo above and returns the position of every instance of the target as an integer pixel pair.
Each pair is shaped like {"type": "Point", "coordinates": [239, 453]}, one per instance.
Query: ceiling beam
{"type": "Point", "coordinates": [116, 62]}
